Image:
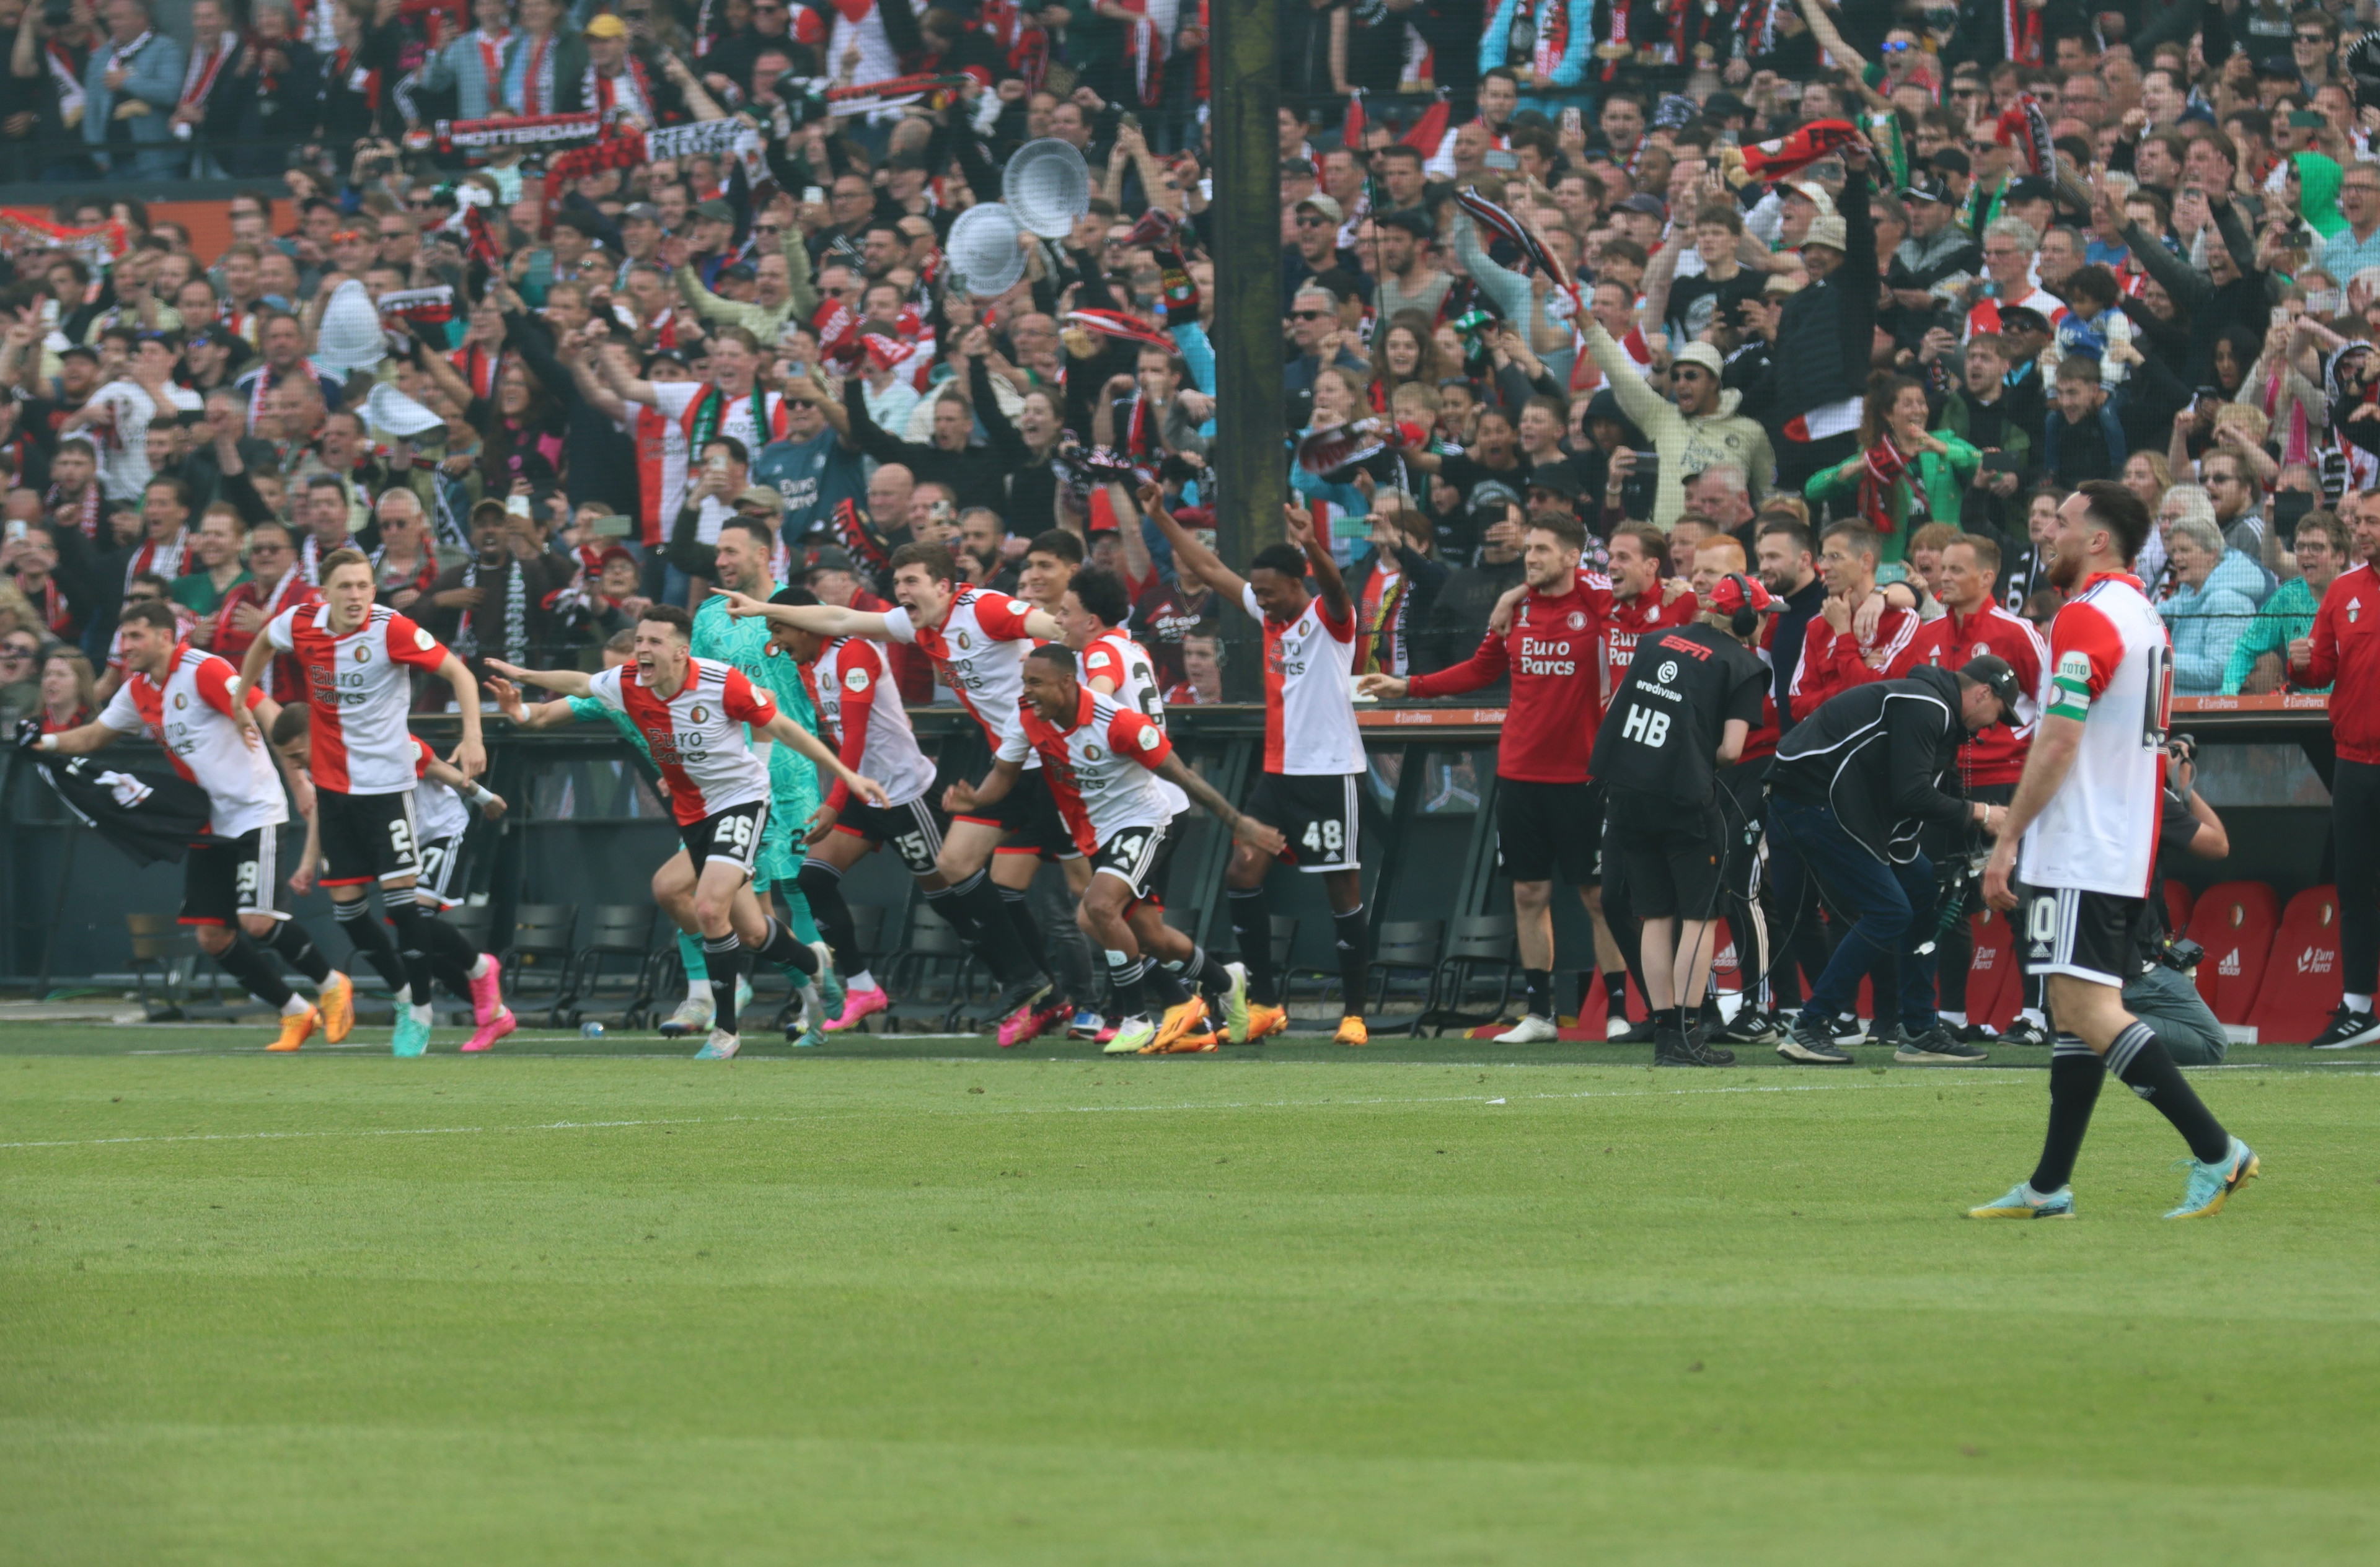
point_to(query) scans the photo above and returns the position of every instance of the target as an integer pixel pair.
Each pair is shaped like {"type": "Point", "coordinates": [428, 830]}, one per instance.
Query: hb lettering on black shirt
{"type": "Point", "coordinates": [1662, 733]}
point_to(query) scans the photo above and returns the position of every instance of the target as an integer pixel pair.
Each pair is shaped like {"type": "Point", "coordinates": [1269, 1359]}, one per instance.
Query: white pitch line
{"type": "Point", "coordinates": [1482, 1100]}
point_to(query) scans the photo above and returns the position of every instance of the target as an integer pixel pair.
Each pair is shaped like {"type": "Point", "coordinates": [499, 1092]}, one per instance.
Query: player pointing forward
{"type": "Point", "coordinates": [977, 639]}
{"type": "Point", "coordinates": [2086, 812]}
{"type": "Point", "coordinates": [691, 712]}
{"type": "Point", "coordinates": [1104, 763]}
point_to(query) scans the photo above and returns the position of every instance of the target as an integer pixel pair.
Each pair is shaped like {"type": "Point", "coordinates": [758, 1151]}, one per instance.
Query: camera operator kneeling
{"type": "Point", "coordinates": [2163, 994]}
{"type": "Point", "coordinates": [1850, 787]}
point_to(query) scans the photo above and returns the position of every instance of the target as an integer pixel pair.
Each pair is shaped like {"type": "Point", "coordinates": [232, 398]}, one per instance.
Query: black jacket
{"type": "Point", "coordinates": [1874, 755]}
{"type": "Point", "coordinates": [1825, 334]}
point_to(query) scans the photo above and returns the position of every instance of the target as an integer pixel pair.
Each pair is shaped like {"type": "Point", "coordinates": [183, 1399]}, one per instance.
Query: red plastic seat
{"type": "Point", "coordinates": [2301, 975]}
{"type": "Point", "coordinates": [2177, 906]}
{"type": "Point", "coordinates": [1727, 960]}
{"type": "Point", "coordinates": [1995, 989]}
{"type": "Point", "coordinates": [2235, 922]}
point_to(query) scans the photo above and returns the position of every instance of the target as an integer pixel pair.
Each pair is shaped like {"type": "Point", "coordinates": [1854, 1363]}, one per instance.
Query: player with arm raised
{"type": "Point", "coordinates": [2085, 815]}
{"type": "Point", "coordinates": [672, 880]}
{"type": "Point", "coordinates": [692, 713]}
{"type": "Point", "coordinates": [1313, 754]}
{"type": "Point", "coordinates": [1103, 762]}
{"type": "Point", "coordinates": [185, 698]}
{"type": "Point", "coordinates": [356, 656]}
{"type": "Point", "coordinates": [977, 640]}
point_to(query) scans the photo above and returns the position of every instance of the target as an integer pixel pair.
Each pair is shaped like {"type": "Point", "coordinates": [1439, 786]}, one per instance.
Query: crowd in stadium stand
{"type": "Point", "coordinates": [527, 303]}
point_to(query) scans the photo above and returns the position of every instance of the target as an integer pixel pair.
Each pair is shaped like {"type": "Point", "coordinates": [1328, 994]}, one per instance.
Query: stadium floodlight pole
{"type": "Point", "coordinates": [1251, 481]}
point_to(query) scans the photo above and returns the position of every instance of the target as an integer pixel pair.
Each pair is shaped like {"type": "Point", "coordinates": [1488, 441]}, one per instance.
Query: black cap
{"type": "Point", "coordinates": [1558, 478]}
{"type": "Point", "coordinates": [2025, 318]}
{"type": "Point", "coordinates": [1722, 106]}
{"type": "Point", "coordinates": [1491, 496]}
{"type": "Point", "coordinates": [1925, 187]}
{"type": "Point", "coordinates": [1412, 220]}
{"type": "Point", "coordinates": [2278, 67]}
{"type": "Point", "coordinates": [1952, 161]}
{"type": "Point", "coordinates": [2031, 187]}
{"type": "Point", "coordinates": [1993, 672]}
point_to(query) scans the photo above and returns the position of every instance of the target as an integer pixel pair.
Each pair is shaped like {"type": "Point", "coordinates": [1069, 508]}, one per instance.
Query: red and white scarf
{"type": "Point", "coordinates": [2022, 30]}
{"type": "Point", "coordinates": [198, 79]}
{"type": "Point", "coordinates": [265, 382]}
{"type": "Point", "coordinates": [89, 506]}
{"type": "Point", "coordinates": [52, 605]}
{"type": "Point", "coordinates": [537, 82]}
{"type": "Point", "coordinates": [1886, 467]}
{"type": "Point", "coordinates": [166, 560]}
{"type": "Point", "coordinates": [492, 58]}
{"type": "Point", "coordinates": [629, 93]}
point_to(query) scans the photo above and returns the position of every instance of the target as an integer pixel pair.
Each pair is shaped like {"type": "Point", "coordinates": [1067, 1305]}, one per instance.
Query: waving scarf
{"type": "Point", "coordinates": [1886, 467]}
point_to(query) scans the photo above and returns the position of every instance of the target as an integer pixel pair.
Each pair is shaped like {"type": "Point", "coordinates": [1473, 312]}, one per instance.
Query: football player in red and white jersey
{"type": "Point", "coordinates": [2082, 834]}
{"type": "Point", "coordinates": [860, 714]}
{"type": "Point", "coordinates": [185, 698]}
{"type": "Point", "coordinates": [355, 656]}
{"type": "Point", "coordinates": [1314, 755]}
{"type": "Point", "coordinates": [1105, 765]}
{"type": "Point", "coordinates": [440, 817]}
{"type": "Point", "coordinates": [692, 713]}
{"type": "Point", "coordinates": [977, 640]}
{"type": "Point", "coordinates": [1091, 612]}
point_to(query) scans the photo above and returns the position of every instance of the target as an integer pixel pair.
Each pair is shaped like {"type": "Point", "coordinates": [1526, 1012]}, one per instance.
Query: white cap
{"type": "Point", "coordinates": [350, 337]}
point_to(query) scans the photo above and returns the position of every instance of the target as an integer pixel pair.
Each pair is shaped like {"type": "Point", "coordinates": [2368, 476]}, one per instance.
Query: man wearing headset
{"type": "Point", "coordinates": [1692, 695]}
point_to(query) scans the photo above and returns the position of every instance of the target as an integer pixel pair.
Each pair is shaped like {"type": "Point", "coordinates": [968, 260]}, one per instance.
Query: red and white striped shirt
{"type": "Point", "coordinates": [359, 692]}
{"type": "Point", "coordinates": [189, 713]}
{"type": "Point", "coordinates": [1309, 703]}
{"type": "Point", "coordinates": [1102, 767]}
{"type": "Point", "coordinates": [869, 728]}
{"type": "Point", "coordinates": [978, 651]}
{"type": "Point", "coordinates": [696, 737]}
{"type": "Point", "coordinates": [1117, 658]}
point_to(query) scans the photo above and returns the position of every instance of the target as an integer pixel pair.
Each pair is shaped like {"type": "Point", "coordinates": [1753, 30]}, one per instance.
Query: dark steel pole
{"type": "Point", "coordinates": [1251, 476]}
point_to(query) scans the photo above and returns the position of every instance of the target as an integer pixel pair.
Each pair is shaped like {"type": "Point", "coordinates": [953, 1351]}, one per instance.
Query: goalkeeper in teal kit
{"type": "Point", "coordinates": [741, 563]}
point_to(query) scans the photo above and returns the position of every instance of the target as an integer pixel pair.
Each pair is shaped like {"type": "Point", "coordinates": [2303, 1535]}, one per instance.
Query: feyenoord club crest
{"type": "Point", "coordinates": [363, 654]}
{"type": "Point", "coordinates": [180, 701]}
{"type": "Point", "coordinates": [1577, 620]}
{"type": "Point", "coordinates": [1092, 753]}
{"type": "Point", "coordinates": [699, 714]}
{"type": "Point", "coordinates": [965, 643]}
{"type": "Point", "coordinates": [1980, 650]}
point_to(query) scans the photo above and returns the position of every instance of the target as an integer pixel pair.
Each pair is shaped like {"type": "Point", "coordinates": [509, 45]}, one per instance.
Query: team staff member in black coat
{"type": "Point", "coordinates": [1850, 785]}
{"type": "Point", "coordinates": [1691, 696]}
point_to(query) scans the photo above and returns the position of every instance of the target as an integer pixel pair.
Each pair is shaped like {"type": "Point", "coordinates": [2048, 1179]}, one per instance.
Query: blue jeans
{"type": "Point", "coordinates": [1892, 908]}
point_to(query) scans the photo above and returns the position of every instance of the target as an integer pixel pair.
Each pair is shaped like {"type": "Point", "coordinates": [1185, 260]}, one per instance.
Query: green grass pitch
{"type": "Point", "coordinates": [583, 1302]}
